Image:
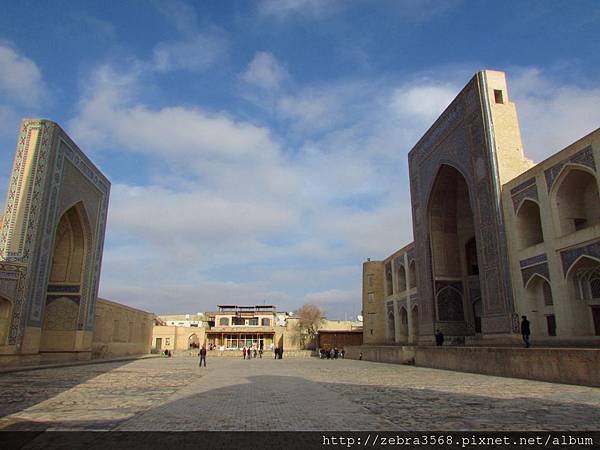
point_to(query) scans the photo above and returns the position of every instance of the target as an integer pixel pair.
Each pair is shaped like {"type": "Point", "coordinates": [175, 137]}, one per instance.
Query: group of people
{"type": "Point", "coordinates": [252, 352]}
{"type": "Point", "coordinates": [332, 353]}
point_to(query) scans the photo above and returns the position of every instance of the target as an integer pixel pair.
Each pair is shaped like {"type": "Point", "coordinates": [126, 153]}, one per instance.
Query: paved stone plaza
{"type": "Point", "coordinates": [288, 394]}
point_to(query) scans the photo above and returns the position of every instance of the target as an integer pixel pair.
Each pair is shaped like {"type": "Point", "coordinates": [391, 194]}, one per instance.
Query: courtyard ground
{"type": "Point", "coordinates": [289, 394]}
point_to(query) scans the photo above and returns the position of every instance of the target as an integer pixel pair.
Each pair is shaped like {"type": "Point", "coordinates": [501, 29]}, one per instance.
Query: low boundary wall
{"type": "Point", "coordinates": [557, 365]}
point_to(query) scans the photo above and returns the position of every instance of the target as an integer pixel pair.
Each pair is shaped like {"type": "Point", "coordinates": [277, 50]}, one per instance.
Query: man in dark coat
{"type": "Point", "coordinates": [202, 356]}
{"type": "Point", "coordinates": [525, 331]}
{"type": "Point", "coordinates": [439, 338]}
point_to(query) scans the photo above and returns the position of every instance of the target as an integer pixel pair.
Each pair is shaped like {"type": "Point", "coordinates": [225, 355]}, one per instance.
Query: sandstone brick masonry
{"type": "Point", "coordinates": [576, 366]}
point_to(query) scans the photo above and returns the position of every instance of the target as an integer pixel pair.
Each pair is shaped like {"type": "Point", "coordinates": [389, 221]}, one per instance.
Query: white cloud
{"type": "Point", "coordinates": [196, 53]}
{"type": "Point", "coordinates": [423, 101]}
{"type": "Point", "coordinates": [182, 15]}
{"type": "Point", "coordinates": [251, 207]}
{"type": "Point", "coordinates": [265, 71]}
{"type": "Point", "coordinates": [161, 214]}
{"type": "Point", "coordinates": [163, 297]}
{"type": "Point", "coordinates": [281, 9]}
{"type": "Point", "coordinates": [20, 77]}
{"type": "Point", "coordinates": [552, 114]}
{"type": "Point", "coordinates": [334, 296]}
{"type": "Point", "coordinates": [107, 117]}
{"type": "Point", "coordinates": [197, 49]}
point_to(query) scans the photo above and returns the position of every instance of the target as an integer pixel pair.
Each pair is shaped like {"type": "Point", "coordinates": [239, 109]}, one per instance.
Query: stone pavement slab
{"type": "Point", "coordinates": [289, 394]}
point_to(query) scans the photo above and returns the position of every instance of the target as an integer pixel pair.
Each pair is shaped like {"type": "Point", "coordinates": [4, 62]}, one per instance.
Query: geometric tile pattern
{"type": "Point", "coordinates": [568, 257]}
{"type": "Point", "coordinates": [35, 190]}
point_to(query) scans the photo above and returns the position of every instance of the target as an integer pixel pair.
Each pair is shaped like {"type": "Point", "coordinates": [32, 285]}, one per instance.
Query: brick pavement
{"type": "Point", "coordinates": [290, 394]}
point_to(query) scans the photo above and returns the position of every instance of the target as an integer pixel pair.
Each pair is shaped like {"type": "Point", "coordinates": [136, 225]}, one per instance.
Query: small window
{"type": "Point", "coordinates": [266, 322]}
{"type": "Point", "coordinates": [238, 321]}
{"type": "Point", "coordinates": [253, 321]}
{"type": "Point", "coordinates": [498, 98]}
{"type": "Point", "coordinates": [371, 331]}
{"type": "Point", "coordinates": [371, 296]}
{"type": "Point", "coordinates": [224, 321]}
{"type": "Point", "coordinates": [370, 279]}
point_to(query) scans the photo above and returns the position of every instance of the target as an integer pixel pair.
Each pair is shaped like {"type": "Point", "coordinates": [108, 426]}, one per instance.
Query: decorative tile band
{"type": "Point", "coordinates": [523, 185]}
{"type": "Point", "coordinates": [533, 260]}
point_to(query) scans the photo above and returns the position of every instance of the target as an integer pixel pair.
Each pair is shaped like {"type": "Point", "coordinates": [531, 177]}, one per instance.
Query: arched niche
{"type": "Point", "coordinates": [529, 224]}
{"type": "Point", "coordinates": [453, 242]}
{"type": "Point", "coordinates": [412, 275]}
{"type": "Point", "coordinates": [583, 279]}
{"type": "Point", "coordinates": [414, 324]}
{"type": "Point", "coordinates": [403, 329]}
{"type": "Point", "coordinates": [61, 312]}
{"type": "Point", "coordinates": [575, 200]}
{"type": "Point", "coordinates": [401, 278]}
{"type": "Point", "coordinates": [389, 284]}
{"type": "Point", "coordinates": [391, 324]}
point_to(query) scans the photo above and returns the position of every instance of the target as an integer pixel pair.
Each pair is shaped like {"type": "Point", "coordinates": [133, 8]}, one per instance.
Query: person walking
{"type": "Point", "coordinates": [439, 338]}
{"type": "Point", "coordinates": [244, 352]}
{"type": "Point", "coordinates": [276, 352]}
{"type": "Point", "coordinates": [525, 331]}
{"type": "Point", "coordinates": [202, 356]}
{"type": "Point", "coordinates": [281, 353]}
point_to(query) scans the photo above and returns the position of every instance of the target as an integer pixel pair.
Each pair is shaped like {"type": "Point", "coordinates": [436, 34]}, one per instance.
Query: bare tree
{"type": "Point", "coordinates": [310, 317]}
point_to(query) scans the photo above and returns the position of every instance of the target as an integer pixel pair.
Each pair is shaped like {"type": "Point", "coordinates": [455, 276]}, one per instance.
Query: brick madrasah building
{"type": "Point", "coordinates": [495, 236]}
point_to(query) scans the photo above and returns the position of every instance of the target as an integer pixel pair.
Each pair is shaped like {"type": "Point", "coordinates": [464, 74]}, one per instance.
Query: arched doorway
{"type": "Point", "coordinates": [61, 314]}
{"type": "Point", "coordinates": [5, 314]}
{"type": "Point", "coordinates": [539, 306]}
{"type": "Point", "coordinates": [576, 200]}
{"type": "Point", "coordinates": [414, 324]}
{"type": "Point", "coordinates": [193, 341]}
{"type": "Point", "coordinates": [403, 324]}
{"type": "Point", "coordinates": [453, 243]}
{"type": "Point", "coordinates": [391, 323]}
{"type": "Point", "coordinates": [584, 297]}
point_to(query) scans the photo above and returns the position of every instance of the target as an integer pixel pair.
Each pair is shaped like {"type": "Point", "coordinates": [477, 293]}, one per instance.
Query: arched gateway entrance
{"type": "Point", "coordinates": [453, 243]}
{"type": "Point", "coordinates": [61, 314]}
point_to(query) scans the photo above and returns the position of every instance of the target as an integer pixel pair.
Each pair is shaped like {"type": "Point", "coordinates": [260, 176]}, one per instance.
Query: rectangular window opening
{"type": "Point", "coordinates": [498, 97]}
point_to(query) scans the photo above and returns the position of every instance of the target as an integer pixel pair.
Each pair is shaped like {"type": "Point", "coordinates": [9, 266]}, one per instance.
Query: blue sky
{"type": "Point", "coordinates": [257, 150]}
